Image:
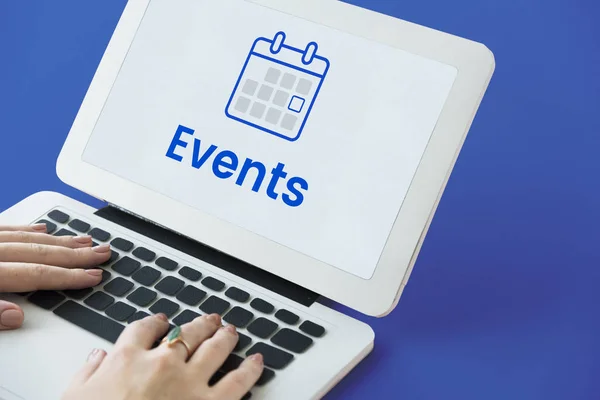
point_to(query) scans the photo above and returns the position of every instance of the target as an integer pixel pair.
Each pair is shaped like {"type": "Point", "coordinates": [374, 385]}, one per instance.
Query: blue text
{"type": "Point", "coordinates": [250, 173]}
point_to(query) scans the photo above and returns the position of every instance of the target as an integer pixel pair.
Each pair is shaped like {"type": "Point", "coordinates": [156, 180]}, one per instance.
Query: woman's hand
{"type": "Point", "coordinates": [32, 260]}
{"type": "Point", "coordinates": [136, 371]}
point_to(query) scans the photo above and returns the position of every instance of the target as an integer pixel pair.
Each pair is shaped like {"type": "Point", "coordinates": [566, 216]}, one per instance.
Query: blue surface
{"type": "Point", "coordinates": [504, 302]}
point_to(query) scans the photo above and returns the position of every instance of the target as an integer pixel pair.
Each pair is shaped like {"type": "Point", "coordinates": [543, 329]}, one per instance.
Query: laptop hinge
{"type": "Point", "coordinates": [208, 254]}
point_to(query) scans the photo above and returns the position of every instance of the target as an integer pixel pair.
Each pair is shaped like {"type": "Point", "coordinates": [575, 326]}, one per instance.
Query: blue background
{"type": "Point", "coordinates": [504, 302]}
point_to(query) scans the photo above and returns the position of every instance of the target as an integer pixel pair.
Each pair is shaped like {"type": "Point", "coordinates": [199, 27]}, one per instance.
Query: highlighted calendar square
{"type": "Point", "coordinates": [277, 87]}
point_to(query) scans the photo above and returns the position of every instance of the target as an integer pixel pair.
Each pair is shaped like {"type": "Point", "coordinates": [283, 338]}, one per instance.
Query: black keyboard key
{"type": "Point", "coordinates": [99, 301]}
{"type": "Point", "coordinates": [165, 306]}
{"type": "Point", "coordinates": [118, 286]}
{"type": "Point", "coordinates": [169, 286]}
{"type": "Point", "coordinates": [233, 361]}
{"type": "Point", "coordinates": [185, 317]}
{"type": "Point", "coordinates": [99, 234]}
{"type": "Point", "coordinates": [191, 295]}
{"type": "Point", "coordinates": [146, 276]}
{"type": "Point", "coordinates": [166, 263]}
{"type": "Point", "coordinates": [190, 273]}
{"type": "Point", "coordinates": [113, 257]}
{"type": "Point", "coordinates": [239, 317]}
{"type": "Point", "coordinates": [213, 284]}
{"type": "Point", "coordinates": [58, 216]}
{"type": "Point", "coordinates": [120, 311]}
{"type": "Point", "coordinates": [262, 327]}
{"type": "Point", "coordinates": [126, 266]}
{"type": "Point", "coordinates": [65, 232]}
{"type": "Point", "coordinates": [46, 299]}
{"type": "Point", "coordinates": [262, 306]}
{"type": "Point", "coordinates": [142, 296]}
{"type": "Point", "coordinates": [105, 276]}
{"type": "Point", "coordinates": [50, 226]}
{"type": "Point", "coordinates": [216, 378]}
{"type": "Point", "coordinates": [273, 357]}
{"type": "Point", "coordinates": [79, 225]}
{"type": "Point", "coordinates": [144, 254]}
{"type": "Point", "coordinates": [287, 317]}
{"type": "Point", "coordinates": [214, 305]}
{"type": "Point", "coordinates": [292, 340]}
{"type": "Point", "coordinates": [136, 316]}
{"type": "Point", "coordinates": [243, 342]}
{"type": "Point", "coordinates": [89, 320]}
{"type": "Point", "coordinates": [312, 329]}
{"type": "Point", "coordinates": [122, 244]}
{"type": "Point", "coordinates": [237, 294]}
{"type": "Point", "coordinates": [265, 377]}
{"type": "Point", "coordinates": [78, 294]}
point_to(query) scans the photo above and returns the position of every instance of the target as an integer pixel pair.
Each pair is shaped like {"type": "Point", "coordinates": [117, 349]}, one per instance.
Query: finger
{"type": "Point", "coordinates": [24, 228]}
{"type": "Point", "coordinates": [21, 277]}
{"type": "Point", "coordinates": [54, 255]}
{"type": "Point", "coordinates": [92, 363]}
{"type": "Point", "coordinates": [11, 316]}
{"type": "Point", "coordinates": [238, 382]}
{"type": "Point", "coordinates": [145, 332]}
{"type": "Point", "coordinates": [213, 352]}
{"type": "Point", "coordinates": [194, 333]}
{"type": "Point", "coordinates": [42, 238]}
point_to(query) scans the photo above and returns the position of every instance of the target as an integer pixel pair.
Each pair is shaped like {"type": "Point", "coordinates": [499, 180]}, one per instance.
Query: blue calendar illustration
{"type": "Point", "coordinates": [278, 87]}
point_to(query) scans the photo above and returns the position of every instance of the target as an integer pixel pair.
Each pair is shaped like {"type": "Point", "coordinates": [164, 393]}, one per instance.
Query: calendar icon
{"type": "Point", "coordinates": [278, 87]}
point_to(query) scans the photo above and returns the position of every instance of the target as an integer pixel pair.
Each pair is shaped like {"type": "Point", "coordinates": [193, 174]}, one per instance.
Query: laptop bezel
{"type": "Point", "coordinates": [376, 296]}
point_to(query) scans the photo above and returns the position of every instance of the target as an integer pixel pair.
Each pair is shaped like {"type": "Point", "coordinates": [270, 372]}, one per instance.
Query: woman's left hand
{"type": "Point", "coordinates": [30, 259]}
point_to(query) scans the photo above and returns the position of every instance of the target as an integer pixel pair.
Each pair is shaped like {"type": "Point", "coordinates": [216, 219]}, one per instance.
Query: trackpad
{"type": "Point", "coordinates": [6, 394]}
{"type": "Point", "coordinates": [38, 360]}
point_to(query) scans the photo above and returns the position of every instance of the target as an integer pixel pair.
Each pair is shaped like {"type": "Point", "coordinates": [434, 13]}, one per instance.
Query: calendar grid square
{"type": "Point", "coordinates": [273, 94]}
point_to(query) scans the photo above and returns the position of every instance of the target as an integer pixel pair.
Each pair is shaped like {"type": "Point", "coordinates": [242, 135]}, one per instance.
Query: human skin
{"type": "Point", "coordinates": [30, 260]}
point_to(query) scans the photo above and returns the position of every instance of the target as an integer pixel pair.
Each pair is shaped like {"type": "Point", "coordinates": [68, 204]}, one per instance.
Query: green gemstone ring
{"type": "Point", "coordinates": [173, 337]}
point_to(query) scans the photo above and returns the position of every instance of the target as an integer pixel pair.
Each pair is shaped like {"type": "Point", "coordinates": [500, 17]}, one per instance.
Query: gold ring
{"type": "Point", "coordinates": [173, 337]}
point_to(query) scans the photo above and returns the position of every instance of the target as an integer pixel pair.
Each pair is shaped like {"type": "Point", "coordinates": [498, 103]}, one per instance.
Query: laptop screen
{"type": "Point", "coordinates": [305, 135]}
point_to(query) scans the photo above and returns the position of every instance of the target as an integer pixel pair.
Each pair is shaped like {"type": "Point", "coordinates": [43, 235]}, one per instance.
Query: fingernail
{"type": "Point", "coordinates": [11, 318]}
{"type": "Point", "coordinates": [93, 354]}
{"type": "Point", "coordinates": [231, 329]}
{"type": "Point", "coordinates": [39, 227]}
{"type": "Point", "coordinates": [257, 358]}
{"type": "Point", "coordinates": [82, 239]}
{"type": "Point", "coordinates": [216, 318]}
{"type": "Point", "coordinates": [94, 272]}
{"type": "Point", "coordinates": [163, 317]}
{"type": "Point", "coordinates": [96, 354]}
{"type": "Point", "coordinates": [103, 248]}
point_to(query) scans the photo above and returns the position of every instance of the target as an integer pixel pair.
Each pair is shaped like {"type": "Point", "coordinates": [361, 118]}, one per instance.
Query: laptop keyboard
{"type": "Point", "coordinates": [134, 286]}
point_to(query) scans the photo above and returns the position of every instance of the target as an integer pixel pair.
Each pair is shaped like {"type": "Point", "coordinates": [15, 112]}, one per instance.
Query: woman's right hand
{"type": "Point", "coordinates": [134, 370]}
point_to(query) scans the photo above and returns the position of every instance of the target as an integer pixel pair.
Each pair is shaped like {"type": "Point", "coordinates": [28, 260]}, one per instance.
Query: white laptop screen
{"type": "Point", "coordinates": [297, 132]}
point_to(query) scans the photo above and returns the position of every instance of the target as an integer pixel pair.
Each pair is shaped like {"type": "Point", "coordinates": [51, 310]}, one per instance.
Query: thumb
{"type": "Point", "coordinates": [94, 360]}
{"type": "Point", "coordinates": [11, 316]}
{"type": "Point", "coordinates": [92, 363]}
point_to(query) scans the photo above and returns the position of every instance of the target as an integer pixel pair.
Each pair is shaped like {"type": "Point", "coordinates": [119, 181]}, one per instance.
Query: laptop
{"type": "Point", "coordinates": [254, 157]}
